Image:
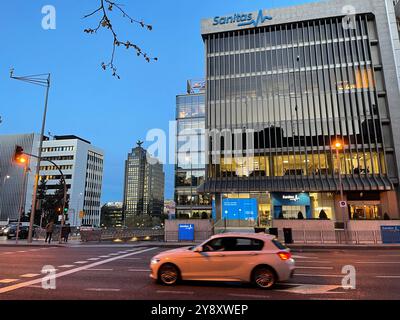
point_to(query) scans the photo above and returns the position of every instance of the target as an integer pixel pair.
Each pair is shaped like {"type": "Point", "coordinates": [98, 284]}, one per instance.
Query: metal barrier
{"type": "Point", "coordinates": [121, 234]}
{"type": "Point", "coordinates": [173, 236]}
{"type": "Point", "coordinates": [334, 237]}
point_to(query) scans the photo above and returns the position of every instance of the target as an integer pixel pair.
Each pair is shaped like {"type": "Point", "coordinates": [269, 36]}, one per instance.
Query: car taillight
{"type": "Point", "coordinates": [284, 255]}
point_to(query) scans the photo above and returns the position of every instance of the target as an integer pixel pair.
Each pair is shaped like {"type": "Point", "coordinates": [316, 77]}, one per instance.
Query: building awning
{"type": "Point", "coordinates": [299, 184]}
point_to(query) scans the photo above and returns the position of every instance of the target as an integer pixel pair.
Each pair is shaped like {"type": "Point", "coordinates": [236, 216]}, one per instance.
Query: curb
{"type": "Point", "coordinates": [343, 247]}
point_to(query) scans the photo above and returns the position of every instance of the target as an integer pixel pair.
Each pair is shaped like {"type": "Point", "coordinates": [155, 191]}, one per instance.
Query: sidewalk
{"type": "Point", "coordinates": [109, 244]}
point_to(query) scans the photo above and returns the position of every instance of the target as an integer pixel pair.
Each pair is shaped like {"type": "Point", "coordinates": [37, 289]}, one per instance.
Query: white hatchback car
{"type": "Point", "coordinates": [246, 257]}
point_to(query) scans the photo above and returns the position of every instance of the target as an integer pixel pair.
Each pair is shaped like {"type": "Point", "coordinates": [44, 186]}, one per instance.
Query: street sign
{"type": "Point", "coordinates": [343, 204]}
{"type": "Point", "coordinates": [186, 232]}
{"type": "Point", "coordinates": [390, 234]}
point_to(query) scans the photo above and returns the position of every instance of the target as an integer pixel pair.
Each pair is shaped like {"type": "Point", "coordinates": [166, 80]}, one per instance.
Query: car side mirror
{"type": "Point", "coordinates": [198, 249]}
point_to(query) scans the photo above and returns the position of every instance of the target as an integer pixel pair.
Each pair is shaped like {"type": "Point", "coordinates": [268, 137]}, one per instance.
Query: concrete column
{"type": "Point", "coordinates": [218, 207]}
{"type": "Point", "coordinates": [390, 204]}
{"type": "Point", "coordinates": [339, 210]}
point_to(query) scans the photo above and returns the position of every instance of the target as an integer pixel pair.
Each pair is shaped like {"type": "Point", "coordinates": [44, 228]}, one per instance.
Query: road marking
{"type": "Point", "coordinates": [378, 262]}
{"type": "Point", "coordinates": [103, 289]}
{"type": "Point", "coordinates": [113, 254]}
{"type": "Point", "coordinates": [320, 261]}
{"type": "Point", "coordinates": [131, 258]}
{"type": "Point", "coordinates": [122, 252]}
{"type": "Point", "coordinates": [80, 262]}
{"type": "Point", "coordinates": [8, 280]}
{"type": "Point", "coordinates": [174, 292]}
{"type": "Point", "coordinates": [139, 270]}
{"type": "Point", "coordinates": [21, 251]}
{"type": "Point", "coordinates": [94, 259]}
{"type": "Point", "coordinates": [99, 269]}
{"type": "Point", "coordinates": [304, 257]}
{"type": "Point", "coordinates": [248, 295]}
{"type": "Point", "coordinates": [320, 268]}
{"type": "Point", "coordinates": [30, 275]}
{"type": "Point", "coordinates": [319, 275]}
{"type": "Point", "coordinates": [388, 277]}
{"type": "Point", "coordinates": [67, 266]}
{"type": "Point", "coordinates": [312, 289]}
{"type": "Point", "coordinates": [68, 272]}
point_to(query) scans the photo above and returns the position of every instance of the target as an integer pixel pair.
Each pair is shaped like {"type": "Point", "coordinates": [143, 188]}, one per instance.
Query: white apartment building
{"type": "Point", "coordinates": [82, 166]}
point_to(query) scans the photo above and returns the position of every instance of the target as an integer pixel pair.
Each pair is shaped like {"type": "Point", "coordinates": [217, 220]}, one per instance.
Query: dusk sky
{"type": "Point", "coordinates": [87, 101]}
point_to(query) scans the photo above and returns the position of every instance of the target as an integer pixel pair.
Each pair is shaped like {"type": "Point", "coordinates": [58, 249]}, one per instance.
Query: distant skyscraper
{"type": "Point", "coordinates": [144, 185]}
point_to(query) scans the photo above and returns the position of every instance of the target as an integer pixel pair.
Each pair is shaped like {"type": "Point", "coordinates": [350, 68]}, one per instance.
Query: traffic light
{"type": "Point", "coordinates": [19, 156]}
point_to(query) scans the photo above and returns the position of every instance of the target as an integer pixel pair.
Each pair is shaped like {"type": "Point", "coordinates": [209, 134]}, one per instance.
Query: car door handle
{"type": "Point", "coordinates": [221, 255]}
{"type": "Point", "coordinates": [254, 254]}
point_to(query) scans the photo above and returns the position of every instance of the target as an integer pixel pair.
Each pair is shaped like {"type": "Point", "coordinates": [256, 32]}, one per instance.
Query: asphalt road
{"type": "Point", "coordinates": [122, 273]}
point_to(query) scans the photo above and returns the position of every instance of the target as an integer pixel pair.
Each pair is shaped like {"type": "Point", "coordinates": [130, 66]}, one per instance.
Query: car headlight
{"type": "Point", "coordinates": [155, 261]}
{"type": "Point", "coordinates": [6, 231]}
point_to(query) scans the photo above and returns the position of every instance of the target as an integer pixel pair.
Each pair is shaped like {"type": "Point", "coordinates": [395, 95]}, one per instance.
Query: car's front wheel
{"type": "Point", "coordinates": [168, 274]}
{"type": "Point", "coordinates": [264, 277]}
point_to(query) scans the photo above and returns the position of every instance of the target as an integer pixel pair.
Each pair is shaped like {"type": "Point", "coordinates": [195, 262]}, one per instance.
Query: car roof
{"type": "Point", "coordinates": [260, 236]}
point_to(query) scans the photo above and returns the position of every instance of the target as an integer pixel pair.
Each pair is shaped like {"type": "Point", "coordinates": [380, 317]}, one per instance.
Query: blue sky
{"type": "Point", "coordinates": [89, 102]}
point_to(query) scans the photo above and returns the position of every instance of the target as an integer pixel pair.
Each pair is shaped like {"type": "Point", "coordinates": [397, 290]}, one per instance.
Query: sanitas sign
{"type": "Point", "coordinates": [242, 20]}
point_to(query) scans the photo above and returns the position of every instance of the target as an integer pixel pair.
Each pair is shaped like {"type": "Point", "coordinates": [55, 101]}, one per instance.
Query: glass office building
{"type": "Point", "coordinates": [190, 153]}
{"type": "Point", "coordinates": [283, 87]}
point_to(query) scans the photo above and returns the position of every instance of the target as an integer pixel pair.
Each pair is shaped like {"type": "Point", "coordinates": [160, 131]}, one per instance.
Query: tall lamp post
{"type": "Point", "coordinates": [6, 177]}
{"type": "Point", "coordinates": [339, 145]}
{"type": "Point", "coordinates": [42, 80]}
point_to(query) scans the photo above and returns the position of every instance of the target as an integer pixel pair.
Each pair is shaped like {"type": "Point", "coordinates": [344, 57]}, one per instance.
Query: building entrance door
{"type": "Point", "coordinates": [365, 211]}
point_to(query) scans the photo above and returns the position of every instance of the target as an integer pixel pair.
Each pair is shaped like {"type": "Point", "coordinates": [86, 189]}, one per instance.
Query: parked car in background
{"type": "Point", "coordinates": [11, 231]}
{"type": "Point", "coordinates": [246, 257]}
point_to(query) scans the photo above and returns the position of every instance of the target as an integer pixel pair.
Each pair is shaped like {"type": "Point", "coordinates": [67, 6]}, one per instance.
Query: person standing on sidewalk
{"type": "Point", "coordinates": [49, 231]}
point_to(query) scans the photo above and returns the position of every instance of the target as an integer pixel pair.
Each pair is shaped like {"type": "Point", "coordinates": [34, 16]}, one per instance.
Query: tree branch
{"type": "Point", "coordinates": [105, 22]}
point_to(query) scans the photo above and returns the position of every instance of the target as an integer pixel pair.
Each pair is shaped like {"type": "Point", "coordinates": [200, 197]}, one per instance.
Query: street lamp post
{"type": "Point", "coordinates": [42, 80]}
{"type": "Point", "coordinates": [338, 145]}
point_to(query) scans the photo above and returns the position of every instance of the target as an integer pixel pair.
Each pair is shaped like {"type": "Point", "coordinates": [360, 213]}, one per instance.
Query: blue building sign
{"type": "Point", "coordinates": [238, 209]}
{"type": "Point", "coordinates": [390, 234]}
{"type": "Point", "coordinates": [291, 199]}
{"type": "Point", "coordinates": [186, 232]}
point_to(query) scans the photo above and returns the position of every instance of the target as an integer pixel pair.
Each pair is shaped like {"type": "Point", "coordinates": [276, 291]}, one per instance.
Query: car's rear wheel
{"type": "Point", "coordinates": [168, 274]}
{"type": "Point", "coordinates": [264, 277]}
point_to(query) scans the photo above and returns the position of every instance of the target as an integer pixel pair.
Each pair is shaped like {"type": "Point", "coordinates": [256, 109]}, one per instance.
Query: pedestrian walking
{"type": "Point", "coordinates": [66, 231]}
{"type": "Point", "coordinates": [49, 231]}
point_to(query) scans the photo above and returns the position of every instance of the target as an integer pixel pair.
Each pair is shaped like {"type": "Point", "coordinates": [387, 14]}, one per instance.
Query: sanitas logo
{"type": "Point", "coordinates": [242, 19]}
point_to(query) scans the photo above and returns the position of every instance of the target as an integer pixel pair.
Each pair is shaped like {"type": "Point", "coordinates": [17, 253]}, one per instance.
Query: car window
{"type": "Point", "coordinates": [279, 244]}
{"type": "Point", "coordinates": [233, 244]}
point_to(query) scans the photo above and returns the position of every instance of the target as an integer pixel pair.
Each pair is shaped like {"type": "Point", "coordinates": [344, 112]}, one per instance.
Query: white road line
{"type": "Point", "coordinates": [21, 251]}
{"type": "Point", "coordinates": [139, 270]}
{"type": "Point", "coordinates": [320, 268]}
{"type": "Point", "coordinates": [113, 254]}
{"type": "Point", "coordinates": [67, 266]}
{"type": "Point", "coordinates": [378, 262]}
{"type": "Point", "coordinates": [103, 289]}
{"type": "Point", "coordinates": [80, 262]}
{"type": "Point", "coordinates": [319, 275]}
{"type": "Point", "coordinates": [304, 257]}
{"type": "Point", "coordinates": [8, 280]}
{"type": "Point", "coordinates": [99, 269]}
{"type": "Point", "coordinates": [388, 277]}
{"type": "Point", "coordinates": [248, 295]}
{"type": "Point", "coordinates": [94, 259]}
{"type": "Point", "coordinates": [30, 275]}
{"type": "Point", "coordinates": [320, 261]}
{"type": "Point", "coordinates": [174, 292]}
{"type": "Point", "coordinates": [122, 252]}
{"type": "Point", "coordinates": [68, 272]}
{"type": "Point", "coordinates": [312, 289]}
